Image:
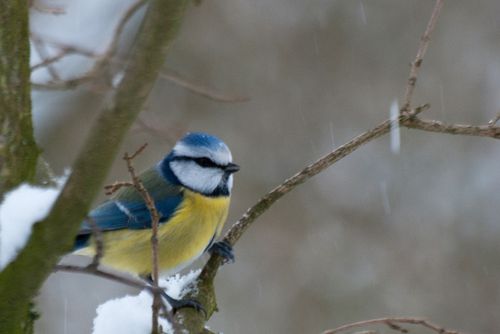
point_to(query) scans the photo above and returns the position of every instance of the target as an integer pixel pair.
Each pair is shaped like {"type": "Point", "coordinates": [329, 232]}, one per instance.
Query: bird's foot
{"type": "Point", "coordinates": [178, 304]}
{"type": "Point", "coordinates": [224, 249]}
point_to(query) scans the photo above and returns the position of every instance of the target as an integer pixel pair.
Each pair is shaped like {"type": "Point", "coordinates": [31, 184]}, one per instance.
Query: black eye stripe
{"type": "Point", "coordinates": [205, 162]}
{"type": "Point", "coordinates": [200, 161]}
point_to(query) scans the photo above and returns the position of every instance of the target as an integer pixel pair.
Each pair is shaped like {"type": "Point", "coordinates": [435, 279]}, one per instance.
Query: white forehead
{"type": "Point", "coordinates": [218, 152]}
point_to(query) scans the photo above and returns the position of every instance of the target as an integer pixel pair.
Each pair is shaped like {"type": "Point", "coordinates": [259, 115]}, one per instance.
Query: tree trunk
{"type": "Point", "coordinates": [18, 150]}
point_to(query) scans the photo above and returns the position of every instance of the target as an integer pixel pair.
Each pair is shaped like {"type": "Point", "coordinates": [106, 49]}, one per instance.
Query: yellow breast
{"type": "Point", "coordinates": [181, 240]}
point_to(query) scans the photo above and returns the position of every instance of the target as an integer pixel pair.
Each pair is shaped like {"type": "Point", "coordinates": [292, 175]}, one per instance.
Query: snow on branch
{"type": "Point", "coordinates": [132, 314]}
{"type": "Point", "coordinates": [21, 208]}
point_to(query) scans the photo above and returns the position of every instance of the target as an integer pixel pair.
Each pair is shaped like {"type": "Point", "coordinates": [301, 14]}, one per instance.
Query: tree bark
{"type": "Point", "coordinates": [18, 150]}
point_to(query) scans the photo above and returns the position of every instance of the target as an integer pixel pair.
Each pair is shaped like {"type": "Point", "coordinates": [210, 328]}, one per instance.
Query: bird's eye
{"type": "Point", "coordinates": [205, 162]}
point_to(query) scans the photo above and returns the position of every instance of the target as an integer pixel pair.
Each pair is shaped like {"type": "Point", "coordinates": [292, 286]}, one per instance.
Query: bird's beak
{"type": "Point", "coordinates": [232, 168]}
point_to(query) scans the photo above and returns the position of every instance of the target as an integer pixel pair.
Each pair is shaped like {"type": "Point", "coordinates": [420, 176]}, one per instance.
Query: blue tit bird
{"type": "Point", "coordinates": [191, 188]}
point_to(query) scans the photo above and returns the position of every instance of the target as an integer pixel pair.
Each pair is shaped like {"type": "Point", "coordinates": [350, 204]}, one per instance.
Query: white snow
{"type": "Point", "coordinates": [132, 314]}
{"type": "Point", "coordinates": [177, 286]}
{"type": "Point", "coordinates": [395, 134]}
{"type": "Point", "coordinates": [129, 314]}
{"type": "Point", "coordinates": [20, 209]}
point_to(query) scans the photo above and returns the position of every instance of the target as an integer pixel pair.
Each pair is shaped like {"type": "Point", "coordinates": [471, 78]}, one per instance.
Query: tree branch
{"type": "Point", "coordinates": [391, 322]}
{"type": "Point", "coordinates": [100, 65]}
{"type": "Point", "coordinates": [198, 89]}
{"type": "Point", "coordinates": [419, 58]}
{"type": "Point", "coordinates": [18, 150]}
{"type": "Point", "coordinates": [454, 129]}
{"type": "Point", "coordinates": [91, 270]}
{"type": "Point", "coordinates": [65, 50]}
{"type": "Point", "coordinates": [155, 219]}
{"type": "Point", "coordinates": [46, 9]}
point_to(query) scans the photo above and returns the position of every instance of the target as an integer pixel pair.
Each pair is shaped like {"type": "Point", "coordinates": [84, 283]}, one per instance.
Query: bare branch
{"type": "Point", "coordinates": [89, 270]}
{"type": "Point", "coordinates": [422, 49]}
{"type": "Point", "coordinates": [65, 50]}
{"type": "Point", "coordinates": [155, 219]}
{"type": "Point", "coordinates": [201, 90]}
{"type": "Point", "coordinates": [110, 189]}
{"type": "Point", "coordinates": [42, 52]}
{"type": "Point", "coordinates": [454, 129]}
{"type": "Point", "coordinates": [169, 134]}
{"type": "Point", "coordinates": [63, 84]}
{"type": "Point", "coordinates": [393, 323]}
{"type": "Point", "coordinates": [101, 64]}
{"type": "Point", "coordinates": [107, 57]}
{"type": "Point", "coordinates": [128, 158]}
{"type": "Point", "coordinates": [46, 9]}
{"type": "Point", "coordinates": [129, 13]}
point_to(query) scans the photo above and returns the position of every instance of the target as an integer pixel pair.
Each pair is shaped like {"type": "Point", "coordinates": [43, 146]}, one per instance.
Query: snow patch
{"type": "Point", "coordinates": [132, 314]}
{"type": "Point", "coordinates": [19, 211]}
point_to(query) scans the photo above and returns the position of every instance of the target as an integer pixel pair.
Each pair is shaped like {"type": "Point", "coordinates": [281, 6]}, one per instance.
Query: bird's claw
{"type": "Point", "coordinates": [187, 303]}
{"type": "Point", "coordinates": [178, 304]}
{"type": "Point", "coordinates": [224, 249]}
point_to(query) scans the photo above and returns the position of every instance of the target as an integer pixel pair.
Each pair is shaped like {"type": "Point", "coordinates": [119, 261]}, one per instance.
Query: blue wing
{"type": "Point", "coordinates": [127, 209]}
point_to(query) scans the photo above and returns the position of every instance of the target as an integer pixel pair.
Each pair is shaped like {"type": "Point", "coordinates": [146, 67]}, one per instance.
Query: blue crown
{"type": "Point", "coordinates": [201, 139]}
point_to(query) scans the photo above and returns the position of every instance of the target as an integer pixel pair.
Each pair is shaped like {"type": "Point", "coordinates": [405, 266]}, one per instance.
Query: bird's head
{"type": "Point", "coordinates": [202, 163]}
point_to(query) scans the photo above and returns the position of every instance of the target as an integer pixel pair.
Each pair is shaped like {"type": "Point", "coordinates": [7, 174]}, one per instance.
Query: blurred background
{"type": "Point", "coordinates": [381, 233]}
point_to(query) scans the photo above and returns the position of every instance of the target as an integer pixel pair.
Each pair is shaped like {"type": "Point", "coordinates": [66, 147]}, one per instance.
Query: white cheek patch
{"type": "Point", "coordinates": [220, 155]}
{"type": "Point", "coordinates": [204, 180]}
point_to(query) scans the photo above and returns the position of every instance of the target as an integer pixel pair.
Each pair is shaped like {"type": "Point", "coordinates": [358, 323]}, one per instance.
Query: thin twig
{"type": "Point", "coordinates": [46, 9]}
{"type": "Point", "coordinates": [392, 323]}
{"type": "Point", "coordinates": [155, 219]}
{"type": "Point", "coordinates": [128, 159]}
{"type": "Point", "coordinates": [201, 90]}
{"type": "Point", "coordinates": [104, 274]}
{"type": "Point", "coordinates": [129, 13]}
{"type": "Point", "coordinates": [64, 51]}
{"type": "Point", "coordinates": [422, 49]}
{"type": "Point", "coordinates": [110, 189]}
{"type": "Point", "coordinates": [95, 271]}
{"type": "Point", "coordinates": [42, 52]}
{"type": "Point", "coordinates": [169, 134]}
{"type": "Point", "coordinates": [102, 63]}
{"type": "Point", "coordinates": [63, 84]}
{"type": "Point", "coordinates": [396, 327]}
